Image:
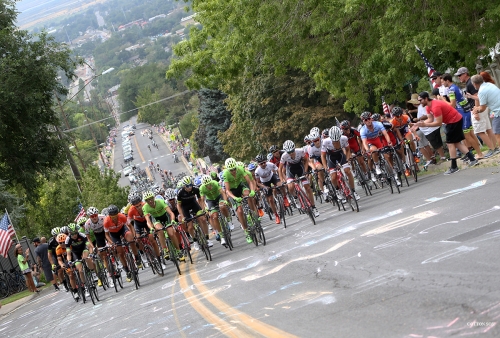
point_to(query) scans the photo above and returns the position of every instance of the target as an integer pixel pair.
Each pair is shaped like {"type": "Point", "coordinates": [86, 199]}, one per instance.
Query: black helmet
{"type": "Point", "coordinates": [325, 132]}
{"type": "Point", "coordinates": [397, 111]}
{"type": "Point", "coordinates": [260, 158]}
{"type": "Point", "coordinates": [113, 210]}
{"type": "Point", "coordinates": [134, 198]}
{"type": "Point", "coordinates": [273, 148]}
{"type": "Point", "coordinates": [366, 115]}
{"type": "Point", "coordinates": [345, 124]}
{"type": "Point", "coordinates": [376, 117]}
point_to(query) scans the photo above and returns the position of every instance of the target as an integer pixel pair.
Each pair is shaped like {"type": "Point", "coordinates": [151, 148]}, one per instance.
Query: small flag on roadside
{"type": "Point", "coordinates": [430, 69]}
{"type": "Point", "coordinates": [385, 108]}
{"type": "Point", "coordinates": [6, 233]}
{"type": "Point", "coordinates": [80, 214]}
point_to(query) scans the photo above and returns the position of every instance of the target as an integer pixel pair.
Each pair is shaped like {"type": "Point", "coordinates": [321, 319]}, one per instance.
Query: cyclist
{"type": "Point", "coordinates": [335, 150]}
{"type": "Point", "coordinates": [214, 176]}
{"type": "Point", "coordinates": [170, 199]}
{"type": "Point", "coordinates": [266, 175]}
{"type": "Point", "coordinates": [396, 140]}
{"type": "Point", "coordinates": [372, 143]}
{"type": "Point", "coordinates": [314, 153]}
{"type": "Point", "coordinates": [401, 126]}
{"type": "Point", "coordinates": [293, 163]}
{"type": "Point", "coordinates": [95, 225]}
{"type": "Point", "coordinates": [159, 192]}
{"type": "Point", "coordinates": [276, 155]}
{"type": "Point", "coordinates": [157, 211]}
{"type": "Point", "coordinates": [188, 198]}
{"type": "Point", "coordinates": [149, 147]}
{"type": "Point", "coordinates": [137, 218]}
{"type": "Point", "coordinates": [215, 199]}
{"type": "Point", "coordinates": [60, 253]}
{"type": "Point", "coordinates": [234, 178]}
{"type": "Point", "coordinates": [77, 246]}
{"type": "Point", "coordinates": [117, 226]}
{"type": "Point", "coordinates": [53, 244]}
{"type": "Point", "coordinates": [354, 139]}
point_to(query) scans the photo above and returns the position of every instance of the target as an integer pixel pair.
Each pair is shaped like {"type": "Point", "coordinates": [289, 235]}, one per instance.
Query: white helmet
{"type": "Point", "coordinates": [314, 135]}
{"type": "Point", "coordinates": [170, 194]}
{"type": "Point", "coordinates": [314, 130]}
{"type": "Point", "coordinates": [289, 146]}
{"type": "Point", "coordinates": [205, 179]}
{"type": "Point", "coordinates": [335, 133]}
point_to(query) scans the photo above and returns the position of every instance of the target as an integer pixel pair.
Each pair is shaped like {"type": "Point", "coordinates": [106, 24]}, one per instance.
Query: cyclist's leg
{"type": "Point", "coordinates": [161, 235]}
{"type": "Point", "coordinates": [89, 261]}
{"type": "Point", "coordinates": [172, 234]}
{"type": "Point", "coordinates": [130, 238]}
{"type": "Point", "coordinates": [238, 192]}
{"type": "Point", "coordinates": [116, 238]}
{"type": "Point", "coordinates": [214, 214]}
{"type": "Point", "coordinates": [101, 243]}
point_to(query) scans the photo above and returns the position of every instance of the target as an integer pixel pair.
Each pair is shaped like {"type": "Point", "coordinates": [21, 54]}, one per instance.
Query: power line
{"type": "Point", "coordinates": [131, 110]}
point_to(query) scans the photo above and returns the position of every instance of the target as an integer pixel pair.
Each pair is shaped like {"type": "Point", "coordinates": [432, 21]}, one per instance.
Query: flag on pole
{"type": "Point", "coordinates": [6, 232]}
{"type": "Point", "coordinates": [385, 107]}
{"type": "Point", "coordinates": [430, 69]}
{"type": "Point", "coordinates": [80, 214]}
{"type": "Point", "coordinates": [337, 121]}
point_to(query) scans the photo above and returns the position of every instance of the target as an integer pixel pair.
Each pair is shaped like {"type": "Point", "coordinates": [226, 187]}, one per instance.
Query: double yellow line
{"type": "Point", "coordinates": [143, 160]}
{"type": "Point", "coordinates": [242, 324]}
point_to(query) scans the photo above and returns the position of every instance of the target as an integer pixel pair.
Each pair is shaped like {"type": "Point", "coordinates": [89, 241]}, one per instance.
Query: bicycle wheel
{"type": "Point", "coordinates": [80, 286]}
{"type": "Point", "coordinates": [153, 261]}
{"type": "Point", "coordinates": [413, 166]}
{"type": "Point", "coordinates": [362, 178]}
{"type": "Point", "coordinates": [133, 269]}
{"type": "Point", "coordinates": [401, 169]}
{"type": "Point", "coordinates": [4, 288]}
{"type": "Point", "coordinates": [391, 177]}
{"type": "Point", "coordinates": [349, 195]}
{"type": "Point", "coordinates": [186, 246]}
{"type": "Point", "coordinates": [111, 271]}
{"type": "Point", "coordinates": [89, 284]}
{"type": "Point", "coordinates": [280, 204]}
{"type": "Point", "coordinates": [202, 241]}
{"type": "Point", "coordinates": [306, 205]}
{"type": "Point", "coordinates": [225, 232]}
{"type": "Point", "coordinates": [173, 254]}
{"type": "Point", "coordinates": [316, 190]}
{"type": "Point", "coordinates": [101, 272]}
{"type": "Point", "coordinates": [387, 177]}
{"type": "Point", "coordinates": [68, 283]}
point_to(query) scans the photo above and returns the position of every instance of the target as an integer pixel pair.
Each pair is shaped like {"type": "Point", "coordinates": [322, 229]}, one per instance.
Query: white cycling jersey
{"type": "Point", "coordinates": [265, 174]}
{"type": "Point", "coordinates": [95, 227]}
{"type": "Point", "coordinates": [315, 152]}
{"type": "Point", "coordinates": [328, 147]}
{"type": "Point", "coordinates": [299, 155]}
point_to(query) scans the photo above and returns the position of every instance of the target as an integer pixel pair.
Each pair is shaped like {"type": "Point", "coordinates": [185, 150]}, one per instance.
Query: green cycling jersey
{"type": "Point", "coordinates": [212, 193]}
{"type": "Point", "coordinates": [234, 181]}
{"type": "Point", "coordinates": [158, 210]}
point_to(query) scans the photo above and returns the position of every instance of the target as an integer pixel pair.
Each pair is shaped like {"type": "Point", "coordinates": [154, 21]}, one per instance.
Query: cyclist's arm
{"type": "Point", "coordinates": [108, 237]}
{"type": "Point", "coordinates": [386, 135]}
{"type": "Point", "coordinates": [89, 245]}
{"type": "Point", "coordinates": [228, 190]}
{"type": "Point", "coordinates": [398, 135]}
{"type": "Point", "coordinates": [433, 121]}
{"type": "Point", "coordinates": [179, 208]}
{"type": "Point", "coordinates": [60, 261]}
{"type": "Point", "coordinates": [282, 171]}
{"type": "Point", "coordinates": [251, 183]}
{"type": "Point", "coordinates": [365, 144]}
{"type": "Point", "coordinates": [347, 152]}
{"type": "Point", "coordinates": [51, 259]}
{"type": "Point", "coordinates": [148, 221]}
{"type": "Point", "coordinates": [131, 228]}
{"type": "Point", "coordinates": [171, 213]}
{"type": "Point", "coordinates": [68, 253]}
{"type": "Point", "coordinates": [323, 160]}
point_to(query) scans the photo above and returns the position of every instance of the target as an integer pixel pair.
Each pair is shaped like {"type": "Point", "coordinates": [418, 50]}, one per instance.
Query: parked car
{"type": "Point", "coordinates": [127, 149]}
{"type": "Point", "coordinates": [128, 157]}
{"type": "Point", "coordinates": [127, 170]}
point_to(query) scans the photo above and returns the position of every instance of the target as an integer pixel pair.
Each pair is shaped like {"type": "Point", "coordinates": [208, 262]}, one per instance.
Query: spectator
{"type": "Point", "coordinates": [489, 97]}
{"type": "Point", "coordinates": [461, 104]}
{"type": "Point", "coordinates": [36, 276]}
{"type": "Point", "coordinates": [42, 257]}
{"type": "Point", "coordinates": [480, 121]}
{"type": "Point", "coordinates": [22, 260]}
{"type": "Point", "coordinates": [439, 112]}
{"type": "Point", "coordinates": [438, 79]}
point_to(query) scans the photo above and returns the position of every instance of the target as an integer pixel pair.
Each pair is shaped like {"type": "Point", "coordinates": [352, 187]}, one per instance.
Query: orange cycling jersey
{"type": "Point", "coordinates": [111, 226]}
{"type": "Point", "coordinates": [401, 122]}
{"type": "Point", "coordinates": [60, 251]}
{"type": "Point", "coordinates": [136, 213]}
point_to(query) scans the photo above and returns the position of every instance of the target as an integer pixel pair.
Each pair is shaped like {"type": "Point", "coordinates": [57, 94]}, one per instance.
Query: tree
{"type": "Point", "coordinates": [149, 111]}
{"type": "Point", "coordinates": [214, 118]}
{"type": "Point", "coordinates": [28, 80]}
{"type": "Point", "coordinates": [355, 50]}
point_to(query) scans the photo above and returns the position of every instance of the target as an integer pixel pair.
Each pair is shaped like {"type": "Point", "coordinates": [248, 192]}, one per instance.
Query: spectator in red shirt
{"type": "Point", "coordinates": [439, 112]}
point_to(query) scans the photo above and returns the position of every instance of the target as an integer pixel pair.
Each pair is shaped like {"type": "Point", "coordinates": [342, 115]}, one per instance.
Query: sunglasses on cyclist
{"type": "Point", "coordinates": [368, 119]}
{"type": "Point", "coordinates": [149, 200]}
{"type": "Point", "coordinates": [290, 152]}
{"type": "Point", "coordinates": [316, 140]}
{"type": "Point", "coordinates": [94, 215]}
{"type": "Point", "coordinates": [262, 162]}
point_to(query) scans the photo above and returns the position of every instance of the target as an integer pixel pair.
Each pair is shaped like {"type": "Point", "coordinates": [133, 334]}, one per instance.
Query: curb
{"type": "Point", "coordinates": [11, 307]}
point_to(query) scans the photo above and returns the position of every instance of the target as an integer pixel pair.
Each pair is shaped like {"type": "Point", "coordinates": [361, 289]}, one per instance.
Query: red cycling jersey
{"type": "Point", "coordinates": [353, 140]}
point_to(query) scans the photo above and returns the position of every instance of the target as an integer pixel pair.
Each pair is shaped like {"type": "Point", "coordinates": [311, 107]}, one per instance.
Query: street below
{"type": "Point", "coordinates": [416, 264]}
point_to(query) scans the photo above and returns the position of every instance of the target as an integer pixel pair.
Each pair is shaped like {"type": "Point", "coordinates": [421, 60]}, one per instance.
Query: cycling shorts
{"type": "Point", "coordinates": [163, 219]}
{"type": "Point", "coordinates": [141, 227]}
{"type": "Point", "coordinates": [292, 170]}
{"type": "Point", "coordinates": [238, 191]}
{"type": "Point", "coordinates": [274, 180]}
{"type": "Point", "coordinates": [333, 158]}
{"type": "Point", "coordinates": [100, 239]}
{"type": "Point", "coordinates": [116, 237]}
{"type": "Point", "coordinates": [213, 205]}
{"type": "Point", "coordinates": [190, 209]}
{"type": "Point", "coordinates": [377, 142]}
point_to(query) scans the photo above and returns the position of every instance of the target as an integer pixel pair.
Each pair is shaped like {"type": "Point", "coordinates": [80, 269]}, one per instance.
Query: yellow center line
{"type": "Point", "coordinates": [143, 160]}
{"type": "Point", "coordinates": [251, 323]}
{"type": "Point", "coordinates": [173, 306]}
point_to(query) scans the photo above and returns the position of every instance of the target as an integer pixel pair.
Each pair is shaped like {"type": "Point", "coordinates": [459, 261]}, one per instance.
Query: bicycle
{"type": "Point", "coordinates": [147, 248]}
{"type": "Point", "coordinates": [129, 258]}
{"type": "Point", "coordinates": [387, 175]}
{"type": "Point", "coordinates": [399, 167]}
{"type": "Point", "coordinates": [80, 288]}
{"type": "Point", "coordinates": [185, 245]}
{"type": "Point", "coordinates": [172, 251]}
{"type": "Point", "coordinates": [305, 205]}
{"type": "Point", "coordinates": [318, 194]}
{"type": "Point", "coordinates": [280, 203]}
{"type": "Point", "coordinates": [345, 189]}
{"type": "Point", "coordinates": [332, 196]}
{"type": "Point", "coordinates": [363, 178]}
{"type": "Point", "coordinates": [89, 282]}
{"type": "Point", "coordinates": [254, 227]}
{"type": "Point", "coordinates": [410, 162]}
{"type": "Point", "coordinates": [100, 271]}
{"type": "Point", "coordinates": [226, 232]}
{"type": "Point", "coordinates": [200, 235]}
{"type": "Point", "coordinates": [114, 271]}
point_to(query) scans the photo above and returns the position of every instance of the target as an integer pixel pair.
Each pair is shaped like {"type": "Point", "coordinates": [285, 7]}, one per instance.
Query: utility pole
{"type": "Point", "coordinates": [71, 161]}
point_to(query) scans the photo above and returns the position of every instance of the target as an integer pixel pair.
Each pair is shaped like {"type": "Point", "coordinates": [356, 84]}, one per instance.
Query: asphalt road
{"type": "Point", "coordinates": [423, 263]}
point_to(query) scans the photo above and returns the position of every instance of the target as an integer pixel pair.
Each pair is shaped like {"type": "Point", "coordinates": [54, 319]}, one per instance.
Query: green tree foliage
{"type": "Point", "coordinates": [59, 199]}
{"type": "Point", "coordinates": [352, 49]}
{"type": "Point", "coordinates": [29, 68]}
{"type": "Point", "coordinates": [149, 113]}
{"type": "Point", "coordinates": [189, 124]}
{"type": "Point", "coordinates": [214, 118]}
{"type": "Point", "coordinates": [10, 201]}
{"type": "Point", "coordinates": [278, 108]}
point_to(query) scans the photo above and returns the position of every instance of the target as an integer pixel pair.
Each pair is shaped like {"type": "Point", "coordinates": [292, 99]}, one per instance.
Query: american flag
{"type": "Point", "coordinates": [385, 107]}
{"type": "Point", "coordinates": [80, 214]}
{"type": "Point", "coordinates": [430, 69]}
{"type": "Point", "coordinates": [6, 232]}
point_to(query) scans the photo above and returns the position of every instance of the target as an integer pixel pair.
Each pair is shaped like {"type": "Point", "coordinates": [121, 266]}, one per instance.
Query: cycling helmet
{"type": "Point", "coordinates": [78, 228]}
{"type": "Point", "coordinates": [231, 163]}
{"type": "Point", "coordinates": [134, 198]}
{"type": "Point", "coordinates": [113, 210]}
{"type": "Point", "coordinates": [105, 212]}
{"type": "Point", "coordinates": [147, 195]}
{"type": "Point", "coordinates": [252, 166]}
{"type": "Point", "coordinates": [376, 117]}
{"type": "Point", "coordinates": [273, 148]}
{"type": "Point", "coordinates": [314, 135]}
{"type": "Point", "coordinates": [82, 220]}
{"type": "Point", "coordinates": [197, 181]}
{"type": "Point", "coordinates": [158, 190]}
{"type": "Point", "coordinates": [335, 133]}
{"type": "Point", "coordinates": [213, 174]}
{"type": "Point", "coordinates": [61, 238]}
{"type": "Point", "coordinates": [206, 179]}
{"type": "Point", "coordinates": [221, 176]}
{"type": "Point", "coordinates": [65, 230]}
{"type": "Point", "coordinates": [345, 124]}
{"type": "Point", "coordinates": [366, 115]}
{"type": "Point", "coordinates": [269, 156]}
{"type": "Point", "coordinates": [260, 158]}
{"type": "Point", "coordinates": [56, 231]}
{"type": "Point", "coordinates": [179, 184]}
{"type": "Point", "coordinates": [240, 164]}
{"type": "Point", "coordinates": [92, 211]}
{"type": "Point", "coordinates": [186, 180]}
{"type": "Point", "coordinates": [325, 132]}
{"type": "Point", "coordinates": [72, 227]}
{"type": "Point", "coordinates": [307, 138]}
{"type": "Point", "coordinates": [314, 130]}
{"type": "Point", "coordinates": [289, 146]}
{"type": "Point", "coordinates": [170, 194]}
{"type": "Point", "coordinates": [397, 111]}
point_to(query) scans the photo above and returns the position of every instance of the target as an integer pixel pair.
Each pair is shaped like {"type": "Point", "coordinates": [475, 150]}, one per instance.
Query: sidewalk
{"type": "Point", "coordinates": [6, 309]}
